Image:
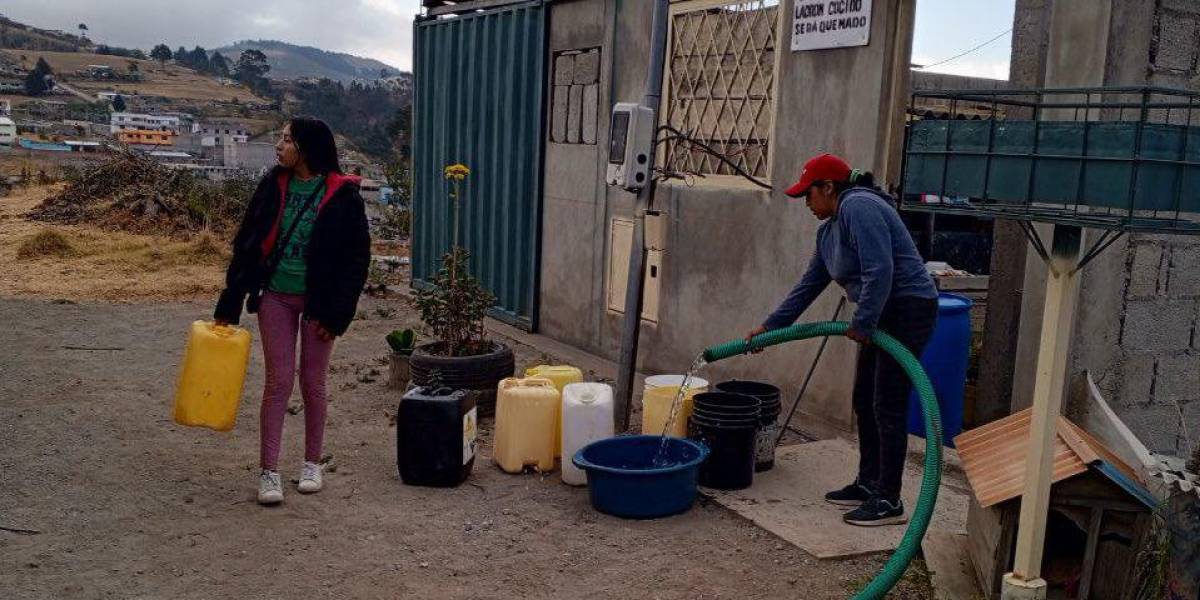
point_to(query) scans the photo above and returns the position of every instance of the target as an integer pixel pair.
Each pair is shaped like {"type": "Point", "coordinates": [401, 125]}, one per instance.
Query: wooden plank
{"type": "Point", "coordinates": [1071, 436]}
{"type": "Point", "coordinates": [1058, 319]}
{"type": "Point", "coordinates": [1089, 553]}
{"type": "Point", "coordinates": [788, 501]}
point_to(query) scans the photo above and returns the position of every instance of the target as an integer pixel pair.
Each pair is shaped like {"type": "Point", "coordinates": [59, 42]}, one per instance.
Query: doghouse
{"type": "Point", "coordinates": [1100, 513]}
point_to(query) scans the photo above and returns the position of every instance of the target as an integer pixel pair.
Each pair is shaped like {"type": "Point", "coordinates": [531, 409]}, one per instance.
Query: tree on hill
{"type": "Point", "coordinates": [251, 69]}
{"type": "Point", "coordinates": [83, 29]}
{"type": "Point", "coordinates": [132, 67]}
{"type": "Point", "coordinates": [118, 104]}
{"type": "Point", "coordinates": [374, 117]}
{"type": "Point", "coordinates": [181, 55]}
{"type": "Point", "coordinates": [218, 65]}
{"type": "Point", "coordinates": [38, 81]}
{"type": "Point", "coordinates": [198, 59]}
{"type": "Point", "coordinates": [161, 53]}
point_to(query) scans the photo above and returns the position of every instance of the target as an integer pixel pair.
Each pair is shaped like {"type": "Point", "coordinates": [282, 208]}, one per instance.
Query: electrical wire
{"type": "Point", "coordinates": [679, 135]}
{"type": "Point", "coordinates": [958, 56]}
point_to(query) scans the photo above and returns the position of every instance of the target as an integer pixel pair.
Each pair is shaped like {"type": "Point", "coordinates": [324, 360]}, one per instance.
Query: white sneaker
{"type": "Point", "coordinates": [310, 478]}
{"type": "Point", "coordinates": [270, 488]}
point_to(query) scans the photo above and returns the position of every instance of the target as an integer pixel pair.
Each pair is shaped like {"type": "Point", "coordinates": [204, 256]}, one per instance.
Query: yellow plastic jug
{"type": "Point", "coordinates": [211, 378]}
{"type": "Point", "coordinates": [525, 417]}
{"type": "Point", "coordinates": [562, 376]}
{"type": "Point", "coordinates": [656, 409]}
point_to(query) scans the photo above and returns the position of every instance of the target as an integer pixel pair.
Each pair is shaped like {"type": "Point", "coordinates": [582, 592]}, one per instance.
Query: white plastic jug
{"type": "Point", "coordinates": [587, 416]}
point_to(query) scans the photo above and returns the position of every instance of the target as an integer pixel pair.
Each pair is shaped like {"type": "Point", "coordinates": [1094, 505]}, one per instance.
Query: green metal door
{"type": "Point", "coordinates": [479, 101]}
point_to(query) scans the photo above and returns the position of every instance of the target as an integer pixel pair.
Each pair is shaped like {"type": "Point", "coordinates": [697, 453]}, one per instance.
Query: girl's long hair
{"type": "Point", "coordinates": [315, 142]}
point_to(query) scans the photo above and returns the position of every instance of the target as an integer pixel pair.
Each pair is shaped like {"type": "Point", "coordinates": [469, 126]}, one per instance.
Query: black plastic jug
{"type": "Point", "coordinates": [435, 436]}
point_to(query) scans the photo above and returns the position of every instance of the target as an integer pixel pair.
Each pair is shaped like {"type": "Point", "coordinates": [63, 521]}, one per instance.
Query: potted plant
{"type": "Point", "coordinates": [453, 308]}
{"type": "Point", "coordinates": [401, 342]}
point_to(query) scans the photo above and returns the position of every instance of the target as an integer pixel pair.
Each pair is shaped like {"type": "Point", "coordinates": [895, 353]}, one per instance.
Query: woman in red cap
{"type": "Point", "coordinates": [863, 245]}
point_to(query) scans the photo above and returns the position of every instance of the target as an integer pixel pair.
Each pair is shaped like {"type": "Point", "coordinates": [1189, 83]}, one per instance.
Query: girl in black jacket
{"type": "Point", "coordinates": [300, 260]}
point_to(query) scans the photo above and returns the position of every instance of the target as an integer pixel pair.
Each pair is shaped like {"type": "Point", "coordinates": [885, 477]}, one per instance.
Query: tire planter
{"type": "Point", "coordinates": [480, 373]}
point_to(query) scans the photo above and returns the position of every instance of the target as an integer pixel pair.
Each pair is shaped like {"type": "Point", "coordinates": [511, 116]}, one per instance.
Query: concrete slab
{"type": "Point", "coordinates": [789, 502]}
{"type": "Point", "coordinates": [949, 566]}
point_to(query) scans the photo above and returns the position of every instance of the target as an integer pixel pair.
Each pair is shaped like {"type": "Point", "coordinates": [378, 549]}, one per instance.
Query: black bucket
{"type": "Point", "coordinates": [727, 403]}
{"type": "Point", "coordinates": [717, 413]}
{"type": "Point", "coordinates": [731, 443]}
{"type": "Point", "coordinates": [769, 403]}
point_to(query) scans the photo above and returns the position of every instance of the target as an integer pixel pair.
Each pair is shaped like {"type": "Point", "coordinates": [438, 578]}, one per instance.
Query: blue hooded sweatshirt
{"type": "Point", "coordinates": [868, 251]}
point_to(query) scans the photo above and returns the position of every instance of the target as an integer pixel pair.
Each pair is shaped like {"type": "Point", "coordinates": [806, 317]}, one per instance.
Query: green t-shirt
{"type": "Point", "coordinates": [289, 275]}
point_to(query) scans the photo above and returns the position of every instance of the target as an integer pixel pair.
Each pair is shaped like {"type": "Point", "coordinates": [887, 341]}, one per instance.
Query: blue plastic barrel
{"type": "Point", "coordinates": [945, 360]}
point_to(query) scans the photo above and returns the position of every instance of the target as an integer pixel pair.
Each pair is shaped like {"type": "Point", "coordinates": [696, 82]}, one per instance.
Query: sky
{"type": "Point", "coordinates": [946, 28]}
{"type": "Point", "coordinates": [379, 29]}
{"type": "Point", "coordinates": [382, 29]}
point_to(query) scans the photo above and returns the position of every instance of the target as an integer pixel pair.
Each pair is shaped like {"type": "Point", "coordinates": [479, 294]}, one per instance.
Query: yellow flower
{"type": "Point", "coordinates": [457, 171]}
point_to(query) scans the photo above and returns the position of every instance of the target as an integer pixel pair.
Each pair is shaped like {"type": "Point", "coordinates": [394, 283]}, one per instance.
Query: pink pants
{"type": "Point", "coordinates": [279, 322]}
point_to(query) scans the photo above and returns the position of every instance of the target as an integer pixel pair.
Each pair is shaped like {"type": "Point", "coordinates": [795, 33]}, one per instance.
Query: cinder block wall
{"type": "Point", "coordinates": [1140, 300]}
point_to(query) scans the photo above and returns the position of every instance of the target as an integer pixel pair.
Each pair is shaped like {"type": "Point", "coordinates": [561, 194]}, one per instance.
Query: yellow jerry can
{"type": "Point", "coordinates": [562, 376]}
{"type": "Point", "coordinates": [525, 416]}
{"type": "Point", "coordinates": [212, 375]}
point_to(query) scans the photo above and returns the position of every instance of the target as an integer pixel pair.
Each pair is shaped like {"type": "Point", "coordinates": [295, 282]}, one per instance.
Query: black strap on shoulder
{"type": "Point", "coordinates": [281, 245]}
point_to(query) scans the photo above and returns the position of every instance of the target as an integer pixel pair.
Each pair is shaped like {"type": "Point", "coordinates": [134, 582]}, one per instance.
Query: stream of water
{"type": "Point", "coordinates": [660, 459]}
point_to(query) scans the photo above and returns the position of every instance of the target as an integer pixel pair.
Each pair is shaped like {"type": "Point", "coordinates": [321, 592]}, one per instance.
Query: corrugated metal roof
{"type": "Point", "coordinates": [994, 455]}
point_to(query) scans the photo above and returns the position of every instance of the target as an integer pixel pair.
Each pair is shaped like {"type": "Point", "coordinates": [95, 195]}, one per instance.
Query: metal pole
{"type": "Point", "coordinates": [627, 365]}
{"type": "Point", "coordinates": [807, 378]}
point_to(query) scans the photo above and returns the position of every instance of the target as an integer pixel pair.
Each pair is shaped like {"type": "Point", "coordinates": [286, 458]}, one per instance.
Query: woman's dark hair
{"type": "Point", "coordinates": [857, 179]}
{"type": "Point", "coordinates": [315, 142]}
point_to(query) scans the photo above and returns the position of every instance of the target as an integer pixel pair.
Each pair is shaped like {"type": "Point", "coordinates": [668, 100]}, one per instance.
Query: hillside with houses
{"type": "Point", "coordinates": [65, 98]}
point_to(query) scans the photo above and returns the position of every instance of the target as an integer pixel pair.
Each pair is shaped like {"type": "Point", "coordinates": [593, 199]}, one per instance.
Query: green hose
{"type": "Point", "coordinates": [894, 569]}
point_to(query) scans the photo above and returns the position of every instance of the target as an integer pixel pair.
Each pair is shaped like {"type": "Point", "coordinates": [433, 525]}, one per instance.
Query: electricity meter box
{"type": "Point", "coordinates": [629, 158]}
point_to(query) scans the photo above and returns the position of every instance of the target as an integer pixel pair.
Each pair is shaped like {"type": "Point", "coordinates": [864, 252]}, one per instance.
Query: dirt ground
{"type": "Point", "coordinates": [105, 497]}
{"type": "Point", "coordinates": [101, 264]}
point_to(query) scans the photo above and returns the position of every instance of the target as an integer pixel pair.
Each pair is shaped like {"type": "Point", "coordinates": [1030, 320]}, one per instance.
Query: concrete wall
{"type": "Point", "coordinates": [1031, 35]}
{"type": "Point", "coordinates": [1139, 300]}
{"type": "Point", "coordinates": [733, 250]}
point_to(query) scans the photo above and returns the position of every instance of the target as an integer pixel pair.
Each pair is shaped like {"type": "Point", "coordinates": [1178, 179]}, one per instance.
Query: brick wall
{"type": "Point", "coordinates": [1140, 299]}
{"type": "Point", "coordinates": [575, 97]}
{"type": "Point", "coordinates": [1154, 382]}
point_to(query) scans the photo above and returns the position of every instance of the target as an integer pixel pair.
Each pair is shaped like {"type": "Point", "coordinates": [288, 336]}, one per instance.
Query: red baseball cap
{"type": "Point", "coordinates": [825, 167]}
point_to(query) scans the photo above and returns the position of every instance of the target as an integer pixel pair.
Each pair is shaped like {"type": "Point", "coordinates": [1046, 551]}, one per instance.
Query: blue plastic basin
{"type": "Point", "coordinates": [623, 481]}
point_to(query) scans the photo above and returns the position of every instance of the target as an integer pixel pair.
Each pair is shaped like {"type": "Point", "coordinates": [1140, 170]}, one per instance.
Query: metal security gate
{"type": "Point", "coordinates": [479, 101]}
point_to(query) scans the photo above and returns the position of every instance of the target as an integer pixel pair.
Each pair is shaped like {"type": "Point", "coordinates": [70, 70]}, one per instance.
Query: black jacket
{"type": "Point", "coordinates": [339, 251]}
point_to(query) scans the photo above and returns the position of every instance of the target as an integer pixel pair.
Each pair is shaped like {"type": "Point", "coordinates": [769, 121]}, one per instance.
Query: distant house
{"type": "Point", "coordinates": [109, 96]}
{"type": "Point", "coordinates": [97, 72]}
{"type": "Point", "coordinates": [215, 134]}
{"type": "Point", "coordinates": [124, 121]}
{"type": "Point", "coordinates": [8, 132]}
{"type": "Point", "coordinates": [249, 157]}
{"type": "Point", "coordinates": [146, 136]}
{"type": "Point", "coordinates": [83, 146]}
{"type": "Point", "coordinates": [212, 172]}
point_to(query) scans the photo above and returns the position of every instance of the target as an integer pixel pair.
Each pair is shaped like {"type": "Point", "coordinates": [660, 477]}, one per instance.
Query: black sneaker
{"type": "Point", "coordinates": [851, 495]}
{"type": "Point", "coordinates": [877, 511]}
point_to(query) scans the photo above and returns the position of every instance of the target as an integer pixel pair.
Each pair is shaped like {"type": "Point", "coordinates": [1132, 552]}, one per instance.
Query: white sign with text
{"type": "Point", "coordinates": [819, 24]}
